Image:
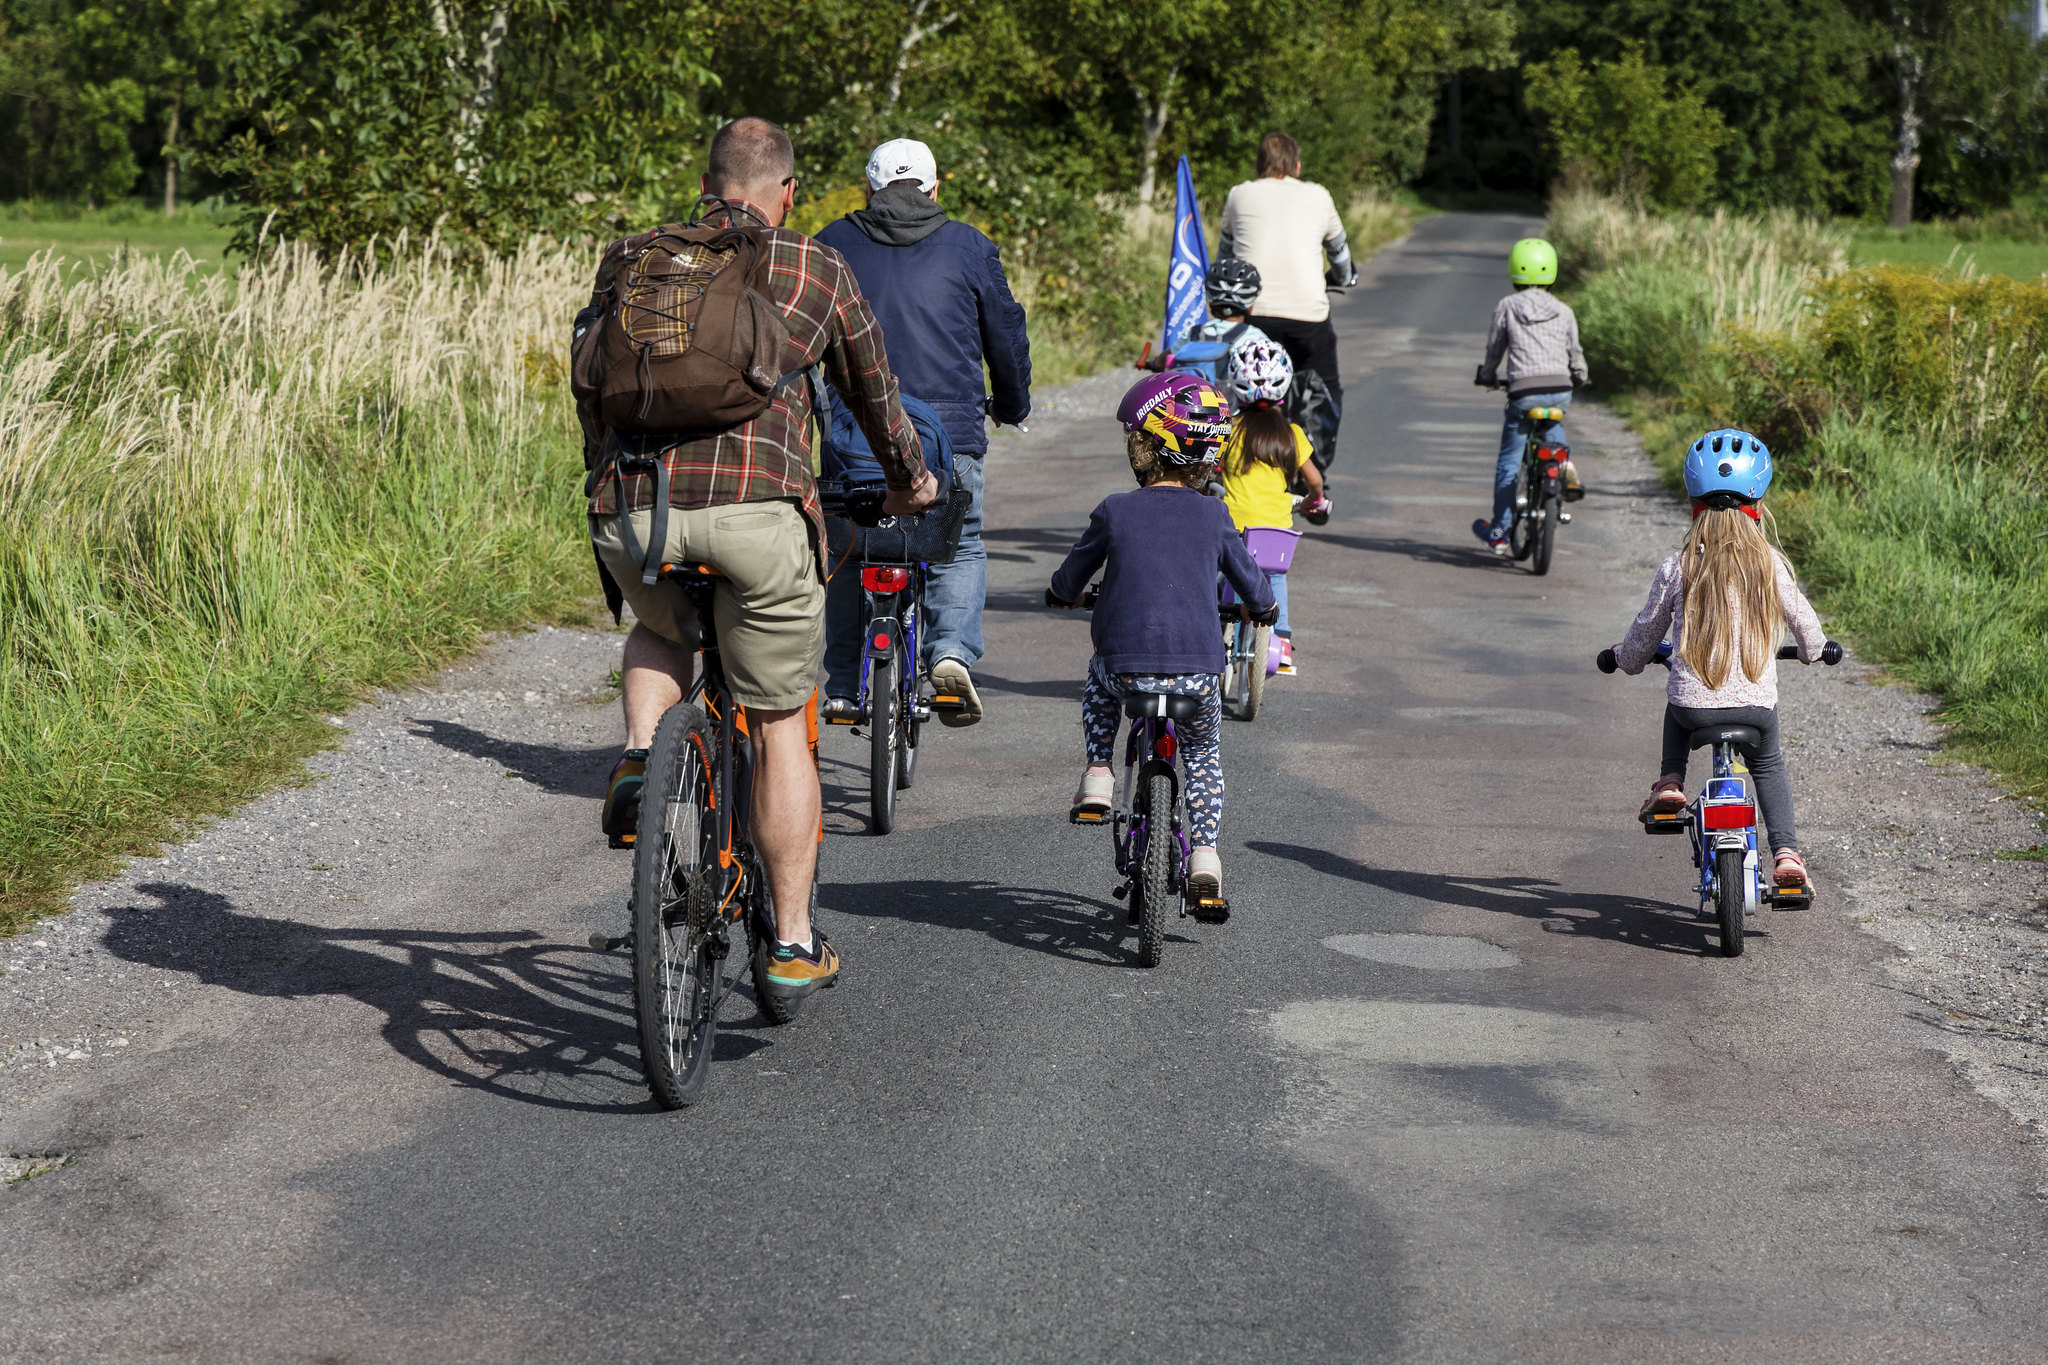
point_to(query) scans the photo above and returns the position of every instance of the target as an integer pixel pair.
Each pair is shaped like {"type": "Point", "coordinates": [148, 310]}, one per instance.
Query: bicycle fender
{"type": "Point", "coordinates": [884, 634]}
{"type": "Point", "coordinates": [1155, 766]}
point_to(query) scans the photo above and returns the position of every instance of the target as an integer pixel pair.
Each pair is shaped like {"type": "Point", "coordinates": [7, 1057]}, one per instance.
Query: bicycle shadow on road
{"type": "Point", "coordinates": [1078, 928]}
{"type": "Point", "coordinates": [1634, 920]}
{"type": "Point", "coordinates": [551, 767]}
{"type": "Point", "coordinates": [506, 1011]}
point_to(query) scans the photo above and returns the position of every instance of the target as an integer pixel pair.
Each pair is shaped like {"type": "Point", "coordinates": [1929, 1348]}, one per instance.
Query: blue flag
{"type": "Point", "coordinates": [1189, 264]}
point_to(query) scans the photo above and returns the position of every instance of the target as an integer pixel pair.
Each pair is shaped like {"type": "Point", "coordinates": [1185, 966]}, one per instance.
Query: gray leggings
{"type": "Point", "coordinates": [1766, 764]}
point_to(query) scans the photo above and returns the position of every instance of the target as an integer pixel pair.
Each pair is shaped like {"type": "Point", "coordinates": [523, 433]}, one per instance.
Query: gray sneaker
{"type": "Point", "coordinates": [951, 679]}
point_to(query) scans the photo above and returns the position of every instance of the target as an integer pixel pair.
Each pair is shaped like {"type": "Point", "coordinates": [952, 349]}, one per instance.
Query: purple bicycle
{"type": "Point", "coordinates": [1146, 822]}
{"type": "Point", "coordinates": [1251, 654]}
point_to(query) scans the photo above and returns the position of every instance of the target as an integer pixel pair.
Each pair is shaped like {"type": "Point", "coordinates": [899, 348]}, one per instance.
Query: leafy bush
{"type": "Point", "coordinates": [1623, 125]}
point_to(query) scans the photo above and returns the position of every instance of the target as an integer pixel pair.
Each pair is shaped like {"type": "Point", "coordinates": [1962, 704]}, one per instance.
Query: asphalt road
{"type": "Point", "coordinates": [381, 1104]}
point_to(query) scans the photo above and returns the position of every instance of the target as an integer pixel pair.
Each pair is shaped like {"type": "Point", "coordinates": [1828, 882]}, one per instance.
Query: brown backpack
{"type": "Point", "coordinates": [680, 337]}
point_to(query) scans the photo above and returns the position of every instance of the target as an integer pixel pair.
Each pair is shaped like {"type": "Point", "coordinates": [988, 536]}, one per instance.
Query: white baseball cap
{"type": "Point", "coordinates": [903, 158]}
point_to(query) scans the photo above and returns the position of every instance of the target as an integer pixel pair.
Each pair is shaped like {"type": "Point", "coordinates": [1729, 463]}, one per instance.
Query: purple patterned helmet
{"type": "Point", "coordinates": [1184, 411]}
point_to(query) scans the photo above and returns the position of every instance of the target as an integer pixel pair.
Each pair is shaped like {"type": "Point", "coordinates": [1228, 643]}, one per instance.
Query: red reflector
{"type": "Point", "coordinates": [1728, 817]}
{"type": "Point", "coordinates": [885, 580]}
{"type": "Point", "coordinates": [881, 642]}
{"type": "Point", "coordinates": [1550, 470]}
{"type": "Point", "coordinates": [1166, 745]}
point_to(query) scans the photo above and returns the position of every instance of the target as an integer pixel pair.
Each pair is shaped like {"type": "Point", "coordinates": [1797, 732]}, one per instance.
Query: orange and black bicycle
{"type": "Point", "coordinates": [700, 890]}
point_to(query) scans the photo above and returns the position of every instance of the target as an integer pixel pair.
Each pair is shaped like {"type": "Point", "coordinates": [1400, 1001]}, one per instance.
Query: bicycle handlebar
{"type": "Point", "coordinates": [861, 503]}
{"type": "Point", "coordinates": [1830, 654]}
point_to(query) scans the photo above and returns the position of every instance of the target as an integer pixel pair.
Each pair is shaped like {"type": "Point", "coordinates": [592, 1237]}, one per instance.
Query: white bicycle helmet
{"type": "Point", "coordinates": [1257, 374]}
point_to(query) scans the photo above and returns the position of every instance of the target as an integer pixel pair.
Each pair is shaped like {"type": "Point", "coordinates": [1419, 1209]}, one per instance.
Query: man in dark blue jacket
{"type": "Point", "coordinates": [938, 290]}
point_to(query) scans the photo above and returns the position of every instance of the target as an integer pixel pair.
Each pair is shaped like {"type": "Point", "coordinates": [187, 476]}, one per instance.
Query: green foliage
{"type": "Point", "coordinates": [484, 121]}
{"type": "Point", "coordinates": [1621, 124]}
{"type": "Point", "coordinates": [233, 504]}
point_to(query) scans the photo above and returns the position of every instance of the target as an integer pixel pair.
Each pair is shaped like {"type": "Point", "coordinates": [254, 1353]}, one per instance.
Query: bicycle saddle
{"type": "Point", "coordinates": [1741, 736]}
{"type": "Point", "coordinates": [1162, 705]}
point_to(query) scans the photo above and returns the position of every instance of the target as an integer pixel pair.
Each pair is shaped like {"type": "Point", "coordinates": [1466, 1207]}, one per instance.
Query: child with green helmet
{"type": "Point", "coordinates": [1533, 350]}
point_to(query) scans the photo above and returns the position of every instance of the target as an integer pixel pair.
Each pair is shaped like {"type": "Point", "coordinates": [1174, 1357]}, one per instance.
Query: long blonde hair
{"type": "Point", "coordinates": [1730, 573]}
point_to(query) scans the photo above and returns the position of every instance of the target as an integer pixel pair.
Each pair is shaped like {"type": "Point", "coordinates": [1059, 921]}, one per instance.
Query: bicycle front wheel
{"type": "Point", "coordinates": [1255, 672]}
{"type": "Point", "coordinates": [885, 716]}
{"type": "Point", "coordinates": [679, 945]}
{"type": "Point", "coordinates": [1156, 873]}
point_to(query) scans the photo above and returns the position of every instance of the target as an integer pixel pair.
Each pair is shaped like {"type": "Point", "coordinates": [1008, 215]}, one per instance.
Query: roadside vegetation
{"type": "Point", "coordinates": [232, 504]}
{"type": "Point", "coordinates": [1907, 408]}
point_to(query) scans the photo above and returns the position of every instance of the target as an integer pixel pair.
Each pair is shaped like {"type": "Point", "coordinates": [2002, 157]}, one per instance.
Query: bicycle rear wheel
{"type": "Point", "coordinates": [1521, 534]}
{"type": "Point", "coordinates": [908, 730]}
{"type": "Point", "coordinates": [1729, 870]}
{"type": "Point", "coordinates": [680, 948]}
{"type": "Point", "coordinates": [885, 715]}
{"type": "Point", "coordinates": [1546, 534]}
{"type": "Point", "coordinates": [1155, 875]}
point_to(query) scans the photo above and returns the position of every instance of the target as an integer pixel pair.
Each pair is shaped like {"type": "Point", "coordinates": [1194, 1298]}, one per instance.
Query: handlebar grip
{"type": "Point", "coordinates": [1831, 653]}
{"type": "Point", "coordinates": [1606, 662]}
{"type": "Point", "coordinates": [1088, 597]}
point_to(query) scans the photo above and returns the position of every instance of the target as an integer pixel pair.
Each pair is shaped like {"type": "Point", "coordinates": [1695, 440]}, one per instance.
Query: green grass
{"type": "Point", "coordinates": [233, 507]}
{"type": "Point", "coordinates": [96, 236]}
{"type": "Point", "coordinates": [1925, 245]}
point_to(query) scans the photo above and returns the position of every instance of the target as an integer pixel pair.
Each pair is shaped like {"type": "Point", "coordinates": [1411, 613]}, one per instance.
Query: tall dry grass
{"type": "Point", "coordinates": [233, 503]}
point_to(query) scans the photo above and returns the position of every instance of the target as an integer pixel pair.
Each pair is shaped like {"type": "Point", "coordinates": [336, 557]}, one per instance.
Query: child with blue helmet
{"type": "Point", "coordinates": [1725, 597]}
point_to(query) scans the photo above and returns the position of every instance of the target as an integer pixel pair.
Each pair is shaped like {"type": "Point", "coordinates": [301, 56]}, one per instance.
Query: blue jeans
{"type": "Point", "coordinates": [1278, 583]}
{"type": "Point", "coordinates": [1511, 442]}
{"type": "Point", "coordinates": [954, 595]}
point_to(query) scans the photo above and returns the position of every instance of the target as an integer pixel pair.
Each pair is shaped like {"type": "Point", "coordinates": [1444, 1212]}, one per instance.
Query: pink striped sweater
{"type": "Point", "coordinates": [1665, 611]}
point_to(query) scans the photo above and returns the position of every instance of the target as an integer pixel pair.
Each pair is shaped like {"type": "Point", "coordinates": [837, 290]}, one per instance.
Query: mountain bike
{"type": "Point", "coordinates": [1150, 843]}
{"type": "Point", "coordinates": [1250, 653]}
{"type": "Point", "coordinates": [699, 888]}
{"type": "Point", "coordinates": [894, 700]}
{"type": "Point", "coordinates": [1539, 493]}
{"type": "Point", "coordinates": [1722, 823]}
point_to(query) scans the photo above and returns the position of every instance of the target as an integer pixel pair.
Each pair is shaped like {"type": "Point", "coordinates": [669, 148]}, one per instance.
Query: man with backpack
{"type": "Point", "coordinates": [688, 372]}
{"type": "Point", "coordinates": [938, 290]}
{"type": "Point", "coordinates": [1289, 228]}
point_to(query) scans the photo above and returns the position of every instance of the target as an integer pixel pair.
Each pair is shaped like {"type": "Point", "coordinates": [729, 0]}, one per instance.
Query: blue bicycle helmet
{"type": "Point", "coordinates": [1728, 462]}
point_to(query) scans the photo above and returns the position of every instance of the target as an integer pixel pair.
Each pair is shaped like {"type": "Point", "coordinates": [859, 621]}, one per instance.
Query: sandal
{"type": "Point", "coordinates": [1789, 870]}
{"type": "Point", "coordinates": [1667, 797]}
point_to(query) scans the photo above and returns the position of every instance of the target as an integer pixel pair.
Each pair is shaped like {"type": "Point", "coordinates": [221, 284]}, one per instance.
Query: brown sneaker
{"type": "Point", "coordinates": [1790, 870]}
{"type": "Point", "coordinates": [1667, 797]}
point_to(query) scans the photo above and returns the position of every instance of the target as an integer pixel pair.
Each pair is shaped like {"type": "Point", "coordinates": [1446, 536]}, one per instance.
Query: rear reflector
{"type": "Point", "coordinates": [1166, 746]}
{"type": "Point", "coordinates": [1728, 817]}
{"type": "Point", "coordinates": [885, 580]}
{"type": "Point", "coordinates": [881, 641]}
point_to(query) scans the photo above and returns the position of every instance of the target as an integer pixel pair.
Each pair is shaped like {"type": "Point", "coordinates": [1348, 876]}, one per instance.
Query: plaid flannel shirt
{"type": "Point", "coordinates": [770, 456]}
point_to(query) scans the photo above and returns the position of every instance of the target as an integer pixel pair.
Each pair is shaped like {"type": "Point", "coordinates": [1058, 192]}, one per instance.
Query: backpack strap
{"type": "Point", "coordinates": [1230, 337]}
{"type": "Point", "coordinates": [657, 532]}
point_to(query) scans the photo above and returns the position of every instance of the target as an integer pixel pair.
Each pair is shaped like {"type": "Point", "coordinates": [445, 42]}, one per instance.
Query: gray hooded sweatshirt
{"type": "Point", "coordinates": [1537, 337]}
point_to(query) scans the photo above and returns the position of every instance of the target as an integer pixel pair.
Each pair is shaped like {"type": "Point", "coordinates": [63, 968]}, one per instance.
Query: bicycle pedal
{"type": "Point", "coordinates": [842, 720]}
{"type": "Point", "coordinates": [1658, 823]}
{"type": "Point", "coordinates": [621, 840]}
{"type": "Point", "coordinates": [1087, 817]}
{"type": "Point", "coordinates": [1790, 898]}
{"type": "Point", "coordinates": [947, 701]}
{"type": "Point", "coordinates": [1120, 891]}
{"type": "Point", "coordinates": [1209, 909]}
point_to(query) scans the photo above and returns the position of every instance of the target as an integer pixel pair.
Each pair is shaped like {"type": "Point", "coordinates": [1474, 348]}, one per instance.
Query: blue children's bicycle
{"type": "Point", "coordinates": [1146, 822]}
{"type": "Point", "coordinates": [1251, 654]}
{"type": "Point", "coordinates": [1722, 823]}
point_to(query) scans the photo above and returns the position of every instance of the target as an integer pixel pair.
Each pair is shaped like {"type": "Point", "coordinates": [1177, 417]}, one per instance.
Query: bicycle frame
{"type": "Point", "coordinates": [1723, 816]}
{"type": "Point", "coordinates": [735, 748]}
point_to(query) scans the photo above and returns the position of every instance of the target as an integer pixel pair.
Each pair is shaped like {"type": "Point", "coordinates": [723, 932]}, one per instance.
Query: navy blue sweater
{"type": "Point", "coordinates": [937, 288]}
{"type": "Point", "coordinates": [1157, 611]}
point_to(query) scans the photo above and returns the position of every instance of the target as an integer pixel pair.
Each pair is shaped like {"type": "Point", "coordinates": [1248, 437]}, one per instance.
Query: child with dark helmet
{"type": "Point", "coordinates": [1160, 548]}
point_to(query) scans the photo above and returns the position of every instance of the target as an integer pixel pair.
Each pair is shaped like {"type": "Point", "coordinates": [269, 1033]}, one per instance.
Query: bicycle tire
{"type": "Point", "coordinates": [1546, 534]}
{"type": "Point", "coordinates": [1520, 539]}
{"type": "Point", "coordinates": [1729, 870]}
{"type": "Point", "coordinates": [1255, 673]}
{"type": "Point", "coordinates": [885, 704]}
{"type": "Point", "coordinates": [1155, 874]}
{"type": "Point", "coordinates": [911, 730]}
{"type": "Point", "coordinates": [1233, 670]}
{"type": "Point", "coordinates": [677, 973]}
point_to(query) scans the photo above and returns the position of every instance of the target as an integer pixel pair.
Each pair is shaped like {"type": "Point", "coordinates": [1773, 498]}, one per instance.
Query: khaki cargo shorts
{"type": "Point", "coordinates": [769, 608]}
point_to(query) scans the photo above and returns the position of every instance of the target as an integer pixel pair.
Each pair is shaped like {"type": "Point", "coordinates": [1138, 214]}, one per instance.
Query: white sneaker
{"type": "Point", "coordinates": [1205, 871]}
{"type": "Point", "coordinates": [950, 678]}
{"type": "Point", "coordinates": [1096, 793]}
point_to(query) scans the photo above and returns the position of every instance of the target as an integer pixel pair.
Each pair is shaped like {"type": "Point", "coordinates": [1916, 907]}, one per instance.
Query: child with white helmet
{"type": "Point", "coordinates": [1263, 457]}
{"type": "Point", "coordinates": [1725, 597]}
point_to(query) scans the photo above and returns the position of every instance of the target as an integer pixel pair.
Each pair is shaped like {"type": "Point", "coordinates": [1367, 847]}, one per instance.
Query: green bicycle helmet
{"type": "Point", "coordinates": [1533, 261]}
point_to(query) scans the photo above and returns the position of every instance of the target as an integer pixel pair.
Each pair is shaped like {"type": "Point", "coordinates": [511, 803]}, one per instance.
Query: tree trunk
{"type": "Point", "coordinates": [1906, 159]}
{"type": "Point", "coordinates": [914, 34]}
{"type": "Point", "coordinates": [1153, 115]}
{"type": "Point", "coordinates": [171, 163]}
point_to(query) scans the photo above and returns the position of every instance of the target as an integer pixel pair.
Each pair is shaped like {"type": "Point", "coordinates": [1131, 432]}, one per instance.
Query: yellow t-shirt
{"type": "Point", "coordinates": [1254, 491]}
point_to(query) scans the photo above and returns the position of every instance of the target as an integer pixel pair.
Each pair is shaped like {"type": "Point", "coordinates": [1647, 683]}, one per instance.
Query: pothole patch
{"type": "Point", "coordinates": [16, 1167]}
{"type": "Point", "coordinates": [1431, 952]}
